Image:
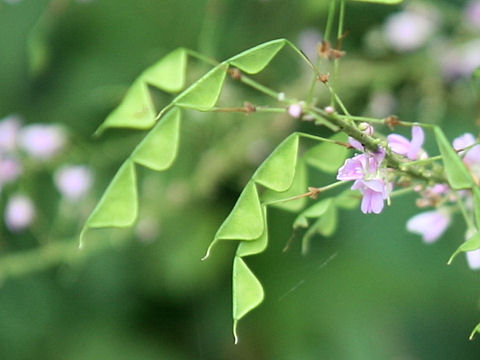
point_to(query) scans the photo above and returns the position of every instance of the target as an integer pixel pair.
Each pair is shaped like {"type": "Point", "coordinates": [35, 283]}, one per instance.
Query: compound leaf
{"type": "Point", "coordinates": [256, 246]}
{"type": "Point", "coordinates": [457, 174]}
{"type": "Point", "coordinates": [203, 94]}
{"type": "Point", "coordinates": [168, 73]}
{"type": "Point", "coordinates": [278, 170]}
{"type": "Point", "coordinates": [159, 148]}
{"type": "Point", "coordinates": [118, 205]}
{"type": "Point", "coordinates": [473, 243]}
{"type": "Point", "coordinates": [254, 60]}
{"type": "Point", "coordinates": [247, 292]}
{"type": "Point", "coordinates": [135, 111]}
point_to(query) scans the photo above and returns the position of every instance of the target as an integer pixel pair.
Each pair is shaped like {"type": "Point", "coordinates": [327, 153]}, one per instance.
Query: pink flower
{"type": "Point", "coordinates": [472, 13]}
{"type": "Point", "coordinates": [295, 110]}
{"type": "Point", "coordinates": [409, 30]}
{"type": "Point", "coordinates": [42, 141]}
{"type": "Point", "coordinates": [471, 156]}
{"type": "Point", "coordinates": [430, 224]}
{"type": "Point", "coordinates": [374, 193]}
{"type": "Point", "coordinates": [9, 128]}
{"type": "Point", "coordinates": [73, 181]}
{"type": "Point", "coordinates": [10, 169]}
{"type": "Point", "coordinates": [473, 259]}
{"type": "Point", "coordinates": [365, 128]}
{"type": "Point", "coordinates": [19, 213]}
{"type": "Point", "coordinates": [411, 149]}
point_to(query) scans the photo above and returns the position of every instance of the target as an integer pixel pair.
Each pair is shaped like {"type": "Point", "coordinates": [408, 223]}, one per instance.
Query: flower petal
{"type": "Point", "coordinates": [430, 224]}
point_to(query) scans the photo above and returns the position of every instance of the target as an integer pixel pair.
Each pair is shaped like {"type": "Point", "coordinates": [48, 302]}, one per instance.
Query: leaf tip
{"type": "Point", "coordinates": [235, 335]}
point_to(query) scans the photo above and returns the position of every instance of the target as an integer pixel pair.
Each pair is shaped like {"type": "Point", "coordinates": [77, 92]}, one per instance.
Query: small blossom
{"type": "Point", "coordinates": [329, 110]}
{"type": "Point", "coordinates": [460, 60]}
{"type": "Point", "coordinates": [374, 193]}
{"type": "Point", "coordinates": [295, 110]}
{"type": "Point", "coordinates": [471, 156]}
{"type": "Point", "coordinates": [409, 30]}
{"type": "Point", "coordinates": [42, 141]}
{"type": "Point", "coordinates": [411, 149]}
{"type": "Point", "coordinates": [473, 259]}
{"type": "Point", "coordinates": [9, 128]}
{"type": "Point", "coordinates": [73, 182]}
{"type": "Point", "coordinates": [19, 213]}
{"type": "Point", "coordinates": [10, 169]}
{"type": "Point", "coordinates": [430, 224]}
{"type": "Point", "coordinates": [365, 128]}
{"type": "Point", "coordinates": [472, 13]}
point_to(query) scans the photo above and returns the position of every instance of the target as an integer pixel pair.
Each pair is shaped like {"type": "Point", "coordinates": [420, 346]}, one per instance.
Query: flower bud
{"type": "Point", "coordinates": [295, 110]}
{"type": "Point", "coordinates": [19, 213]}
{"type": "Point", "coordinates": [73, 182]}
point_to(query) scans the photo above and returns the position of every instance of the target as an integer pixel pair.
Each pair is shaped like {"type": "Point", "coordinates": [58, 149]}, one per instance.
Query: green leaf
{"type": "Point", "coordinates": [169, 72]}
{"type": "Point", "coordinates": [476, 201]}
{"type": "Point", "coordinates": [247, 292]}
{"type": "Point", "coordinates": [278, 170]}
{"type": "Point", "coordinates": [159, 148]}
{"type": "Point", "coordinates": [476, 330]}
{"type": "Point", "coordinates": [473, 243]}
{"type": "Point", "coordinates": [256, 246]}
{"type": "Point", "coordinates": [298, 187]}
{"type": "Point", "coordinates": [328, 157]}
{"type": "Point", "coordinates": [327, 224]}
{"type": "Point", "coordinates": [315, 211]}
{"type": "Point", "coordinates": [203, 94]}
{"type": "Point", "coordinates": [118, 205]}
{"type": "Point", "coordinates": [135, 111]}
{"type": "Point", "coordinates": [389, 2]}
{"type": "Point", "coordinates": [245, 221]}
{"type": "Point", "coordinates": [457, 174]}
{"type": "Point", "coordinates": [254, 60]}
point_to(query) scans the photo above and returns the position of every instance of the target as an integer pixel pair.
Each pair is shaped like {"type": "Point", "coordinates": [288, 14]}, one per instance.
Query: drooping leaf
{"type": "Point", "coordinates": [159, 148]}
{"type": "Point", "coordinates": [328, 157]}
{"type": "Point", "coordinates": [256, 246]}
{"type": "Point", "coordinates": [135, 111]}
{"type": "Point", "coordinates": [245, 221]}
{"type": "Point", "coordinates": [389, 2]}
{"type": "Point", "coordinates": [315, 211]}
{"type": "Point", "coordinates": [476, 201]}
{"type": "Point", "coordinates": [278, 170]}
{"type": "Point", "coordinates": [474, 331]}
{"type": "Point", "coordinates": [328, 222]}
{"type": "Point", "coordinates": [254, 60]}
{"type": "Point", "coordinates": [247, 292]}
{"type": "Point", "coordinates": [298, 187]}
{"type": "Point", "coordinates": [473, 243]}
{"type": "Point", "coordinates": [457, 174]}
{"type": "Point", "coordinates": [168, 73]}
{"type": "Point", "coordinates": [203, 94]}
{"type": "Point", "coordinates": [118, 205]}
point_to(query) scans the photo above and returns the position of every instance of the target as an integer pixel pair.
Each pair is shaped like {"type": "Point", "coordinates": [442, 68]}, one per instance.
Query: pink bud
{"type": "Point", "coordinates": [42, 141]}
{"type": "Point", "coordinates": [73, 181]}
{"type": "Point", "coordinates": [10, 169]}
{"type": "Point", "coordinates": [19, 213]}
{"type": "Point", "coordinates": [329, 110]}
{"type": "Point", "coordinates": [295, 110]}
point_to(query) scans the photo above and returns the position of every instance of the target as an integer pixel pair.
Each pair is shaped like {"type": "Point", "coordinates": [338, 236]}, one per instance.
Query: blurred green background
{"type": "Point", "coordinates": [371, 291]}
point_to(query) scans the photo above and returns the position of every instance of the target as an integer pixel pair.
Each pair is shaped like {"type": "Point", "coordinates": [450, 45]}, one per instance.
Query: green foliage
{"type": "Point", "coordinates": [474, 331]}
{"type": "Point", "coordinates": [327, 156]}
{"type": "Point", "coordinates": [256, 59]}
{"type": "Point", "coordinates": [457, 174]}
{"type": "Point", "coordinates": [476, 200]}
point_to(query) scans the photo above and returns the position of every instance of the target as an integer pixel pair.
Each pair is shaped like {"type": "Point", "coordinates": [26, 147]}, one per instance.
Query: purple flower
{"type": "Point", "coordinates": [409, 30]}
{"type": "Point", "coordinates": [295, 110]}
{"type": "Point", "coordinates": [374, 193]}
{"type": "Point", "coordinates": [9, 128]}
{"type": "Point", "coordinates": [411, 149]}
{"type": "Point", "coordinates": [430, 224]}
{"type": "Point", "coordinates": [471, 156]}
{"type": "Point", "coordinates": [472, 13]}
{"type": "Point", "coordinates": [19, 213]}
{"type": "Point", "coordinates": [73, 182]}
{"type": "Point", "coordinates": [42, 141]}
{"type": "Point", "coordinates": [473, 259]}
{"type": "Point", "coordinates": [10, 169]}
